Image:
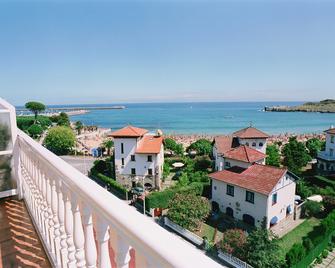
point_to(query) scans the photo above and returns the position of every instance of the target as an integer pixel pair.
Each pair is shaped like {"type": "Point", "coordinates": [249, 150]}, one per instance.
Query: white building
{"type": "Point", "coordinates": [139, 157]}
{"type": "Point", "coordinates": [229, 148]}
{"type": "Point", "coordinates": [243, 186]}
{"type": "Point", "coordinates": [326, 158]}
{"type": "Point", "coordinates": [254, 193]}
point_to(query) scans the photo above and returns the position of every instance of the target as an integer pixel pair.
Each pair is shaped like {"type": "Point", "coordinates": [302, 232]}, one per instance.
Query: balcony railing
{"type": "Point", "coordinates": [326, 156]}
{"type": "Point", "coordinates": [83, 225]}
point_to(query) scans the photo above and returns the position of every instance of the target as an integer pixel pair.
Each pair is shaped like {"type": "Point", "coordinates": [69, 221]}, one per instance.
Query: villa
{"type": "Point", "coordinates": [243, 186]}
{"type": "Point", "coordinates": [326, 158]}
{"type": "Point", "coordinates": [139, 157]}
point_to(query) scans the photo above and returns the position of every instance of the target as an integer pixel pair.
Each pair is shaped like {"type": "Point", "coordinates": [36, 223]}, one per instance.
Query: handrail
{"type": "Point", "coordinates": [143, 234]}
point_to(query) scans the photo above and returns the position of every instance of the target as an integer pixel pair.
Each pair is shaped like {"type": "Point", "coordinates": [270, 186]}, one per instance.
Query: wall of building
{"type": "Point", "coordinates": [257, 141]}
{"type": "Point", "coordinates": [329, 144]}
{"type": "Point", "coordinates": [237, 202]}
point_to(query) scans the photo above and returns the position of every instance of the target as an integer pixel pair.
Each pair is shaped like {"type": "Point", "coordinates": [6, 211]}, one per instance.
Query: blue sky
{"type": "Point", "coordinates": [152, 51]}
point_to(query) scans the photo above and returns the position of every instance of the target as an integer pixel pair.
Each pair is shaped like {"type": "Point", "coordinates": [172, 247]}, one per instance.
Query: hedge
{"type": "Point", "coordinates": [112, 185]}
{"type": "Point", "coordinates": [24, 122]}
{"type": "Point", "coordinates": [322, 181]}
{"type": "Point", "coordinates": [162, 199]}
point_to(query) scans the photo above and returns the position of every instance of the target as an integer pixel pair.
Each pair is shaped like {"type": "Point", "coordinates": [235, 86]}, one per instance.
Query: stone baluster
{"type": "Point", "coordinates": [78, 233]}
{"type": "Point", "coordinates": [103, 239]}
{"type": "Point", "coordinates": [45, 207]}
{"type": "Point", "coordinates": [121, 249]}
{"type": "Point", "coordinates": [61, 219]}
{"type": "Point", "coordinates": [49, 216]}
{"type": "Point", "coordinates": [90, 247]}
{"type": "Point", "coordinates": [69, 227]}
{"type": "Point", "coordinates": [54, 208]}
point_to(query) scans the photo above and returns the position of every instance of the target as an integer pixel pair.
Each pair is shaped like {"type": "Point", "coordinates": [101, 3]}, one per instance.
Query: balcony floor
{"type": "Point", "coordinates": [19, 242]}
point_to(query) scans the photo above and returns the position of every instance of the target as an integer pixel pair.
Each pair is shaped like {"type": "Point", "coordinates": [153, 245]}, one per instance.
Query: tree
{"type": "Point", "coordinates": [312, 208]}
{"type": "Point", "coordinates": [202, 147]}
{"type": "Point", "coordinates": [79, 126]}
{"type": "Point", "coordinates": [314, 146]}
{"type": "Point", "coordinates": [172, 145]}
{"type": "Point", "coordinates": [295, 155]}
{"type": "Point", "coordinates": [202, 163]}
{"type": "Point", "coordinates": [35, 130]}
{"type": "Point", "coordinates": [188, 210]}
{"type": "Point", "coordinates": [166, 169]}
{"type": "Point", "coordinates": [108, 144]}
{"type": "Point", "coordinates": [262, 249]}
{"type": "Point", "coordinates": [60, 140]}
{"type": "Point", "coordinates": [183, 179]}
{"type": "Point", "coordinates": [273, 155]}
{"type": "Point", "coordinates": [63, 119]}
{"type": "Point", "coordinates": [35, 107]}
{"type": "Point", "coordinates": [233, 242]}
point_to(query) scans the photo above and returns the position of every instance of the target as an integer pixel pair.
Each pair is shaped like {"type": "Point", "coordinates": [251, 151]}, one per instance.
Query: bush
{"type": "Point", "coordinates": [60, 140]}
{"type": "Point", "coordinates": [202, 163]}
{"type": "Point", "coordinates": [202, 147]}
{"type": "Point", "coordinates": [188, 210]}
{"type": "Point", "coordinates": [166, 170]}
{"type": "Point", "coordinates": [24, 122]}
{"type": "Point", "coordinates": [303, 190]}
{"type": "Point", "coordinates": [113, 185]}
{"type": "Point", "coordinates": [233, 242]}
{"type": "Point", "coordinates": [328, 223]}
{"type": "Point", "coordinates": [312, 208]}
{"type": "Point", "coordinates": [307, 243]}
{"type": "Point", "coordinates": [35, 130]}
{"type": "Point", "coordinates": [172, 145]}
{"type": "Point", "coordinates": [295, 254]}
{"type": "Point", "coordinates": [329, 203]}
{"type": "Point", "coordinates": [324, 253]}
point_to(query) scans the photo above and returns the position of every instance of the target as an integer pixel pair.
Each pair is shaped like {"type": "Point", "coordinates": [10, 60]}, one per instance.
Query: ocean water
{"type": "Point", "coordinates": [208, 118]}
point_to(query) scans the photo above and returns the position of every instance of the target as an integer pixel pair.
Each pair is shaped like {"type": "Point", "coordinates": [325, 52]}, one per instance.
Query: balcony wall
{"type": "Point", "coordinates": [83, 225]}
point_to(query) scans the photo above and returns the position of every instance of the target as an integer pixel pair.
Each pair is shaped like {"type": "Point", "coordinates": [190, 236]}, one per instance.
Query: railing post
{"type": "Point", "coordinates": [78, 233]}
{"type": "Point", "coordinates": [103, 239]}
{"type": "Point", "coordinates": [49, 217]}
{"type": "Point", "coordinates": [54, 207]}
{"type": "Point", "coordinates": [121, 249]}
{"type": "Point", "coordinates": [90, 247]}
{"type": "Point", "coordinates": [61, 218]}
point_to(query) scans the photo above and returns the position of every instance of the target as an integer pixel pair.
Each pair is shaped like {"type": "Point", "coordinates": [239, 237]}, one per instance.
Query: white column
{"type": "Point", "coordinates": [78, 233]}
{"type": "Point", "coordinates": [49, 216]}
{"type": "Point", "coordinates": [61, 219]}
{"type": "Point", "coordinates": [54, 207]}
{"type": "Point", "coordinates": [103, 238]}
{"type": "Point", "coordinates": [121, 249]}
{"type": "Point", "coordinates": [90, 247]}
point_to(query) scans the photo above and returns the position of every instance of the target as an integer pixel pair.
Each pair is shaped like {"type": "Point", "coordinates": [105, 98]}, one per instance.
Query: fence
{"type": "Point", "coordinates": [235, 262]}
{"type": "Point", "coordinates": [314, 253]}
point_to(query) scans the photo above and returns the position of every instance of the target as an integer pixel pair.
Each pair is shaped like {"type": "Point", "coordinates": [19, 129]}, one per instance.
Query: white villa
{"type": "Point", "coordinates": [243, 186]}
{"type": "Point", "coordinates": [326, 158]}
{"type": "Point", "coordinates": [139, 157]}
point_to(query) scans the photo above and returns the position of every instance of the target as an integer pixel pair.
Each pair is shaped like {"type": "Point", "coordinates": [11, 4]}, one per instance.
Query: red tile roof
{"type": "Point", "coordinates": [150, 144]}
{"type": "Point", "coordinates": [245, 154]}
{"type": "Point", "coordinates": [330, 131]}
{"type": "Point", "coordinates": [258, 178]}
{"type": "Point", "coordinates": [129, 131]}
{"type": "Point", "coordinates": [250, 133]}
{"type": "Point", "coordinates": [223, 143]}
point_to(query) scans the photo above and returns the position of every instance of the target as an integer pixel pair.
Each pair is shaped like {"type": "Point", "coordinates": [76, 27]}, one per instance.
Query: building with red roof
{"type": "Point", "coordinates": [139, 157]}
{"type": "Point", "coordinates": [326, 158]}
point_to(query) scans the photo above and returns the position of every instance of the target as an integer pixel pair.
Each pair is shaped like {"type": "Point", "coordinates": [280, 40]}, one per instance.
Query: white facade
{"type": "Point", "coordinates": [130, 165]}
{"type": "Point", "coordinates": [262, 206]}
{"type": "Point", "coordinates": [257, 144]}
{"type": "Point", "coordinates": [326, 158]}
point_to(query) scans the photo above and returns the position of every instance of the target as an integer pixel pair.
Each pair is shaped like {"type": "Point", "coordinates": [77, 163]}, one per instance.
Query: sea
{"type": "Point", "coordinates": [210, 118]}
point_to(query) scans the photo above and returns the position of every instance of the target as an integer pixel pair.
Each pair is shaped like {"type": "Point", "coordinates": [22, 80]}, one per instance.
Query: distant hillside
{"type": "Point", "coordinates": [324, 106]}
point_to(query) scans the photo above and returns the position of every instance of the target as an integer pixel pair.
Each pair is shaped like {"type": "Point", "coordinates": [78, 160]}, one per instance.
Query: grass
{"type": "Point", "coordinates": [209, 232]}
{"type": "Point", "coordinates": [296, 235]}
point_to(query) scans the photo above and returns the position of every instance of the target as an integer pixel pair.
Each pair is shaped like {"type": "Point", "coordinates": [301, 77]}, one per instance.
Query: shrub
{"type": "Point", "coordinates": [24, 122]}
{"type": "Point", "coordinates": [202, 163]}
{"type": "Point", "coordinates": [202, 147]}
{"type": "Point", "coordinates": [312, 208]}
{"type": "Point", "coordinates": [233, 242]}
{"type": "Point", "coordinates": [307, 243]}
{"type": "Point", "coordinates": [172, 145]}
{"type": "Point", "coordinates": [188, 210]}
{"type": "Point", "coordinates": [113, 185]}
{"type": "Point", "coordinates": [35, 130]}
{"type": "Point", "coordinates": [324, 253]}
{"type": "Point", "coordinates": [60, 140]}
{"type": "Point", "coordinates": [303, 190]}
{"type": "Point", "coordinates": [159, 199]}
{"type": "Point", "coordinates": [329, 203]}
{"type": "Point", "coordinates": [328, 223]}
{"type": "Point", "coordinates": [295, 254]}
{"type": "Point", "coordinates": [166, 169]}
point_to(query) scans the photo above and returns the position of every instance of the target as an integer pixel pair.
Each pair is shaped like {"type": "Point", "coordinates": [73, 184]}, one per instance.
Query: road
{"type": "Point", "coordinates": [82, 163]}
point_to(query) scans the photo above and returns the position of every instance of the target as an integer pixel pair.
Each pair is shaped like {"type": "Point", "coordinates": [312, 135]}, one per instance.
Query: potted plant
{"type": "Point", "coordinates": [4, 137]}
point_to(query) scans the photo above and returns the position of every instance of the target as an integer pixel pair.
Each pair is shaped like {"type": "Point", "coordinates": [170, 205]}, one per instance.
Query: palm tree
{"type": "Point", "coordinates": [108, 144]}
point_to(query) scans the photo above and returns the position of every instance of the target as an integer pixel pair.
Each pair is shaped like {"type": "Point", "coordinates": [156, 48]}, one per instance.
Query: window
{"type": "Point", "coordinates": [247, 143]}
{"type": "Point", "coordinates": [274, 199]}
{"type": "Point", "coordinates": [331, 152]}
{"type": "Point", "coordinates": [150, 171]}
{"type": "Point", "coordinates": [133, 171]}
{"type": "Point", "coordinates": [332, 139]}
{"type": "Point", "coordinates": [227, 164]}
{"type": "Point", "coordinates": [230, 190]}
{"type": "Point", "coordinates": [122, 161]}
{"type": "Point", "coordinates": [254, 144]}
{"type": "Point", "coordinates": [132, 157]}
{"type": "Point", "coordinates": [214, 187]}
{"type": "Point", "coordinates": [149, 158]}
{"type": "Point", "coordinates": [249, 197]}
{"type": "Point", "coordinates": [122, 148]}
{"type": "Point", "coordinates": [260, 144]}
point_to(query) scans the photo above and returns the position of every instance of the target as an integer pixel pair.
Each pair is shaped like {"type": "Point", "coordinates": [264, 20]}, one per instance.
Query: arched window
{"type": "Point", "coordinates": [260, 144]}
{"type": "Point", "coordinates": [247, 143]}
{"type": "Point", "coordinates": [254, 144]}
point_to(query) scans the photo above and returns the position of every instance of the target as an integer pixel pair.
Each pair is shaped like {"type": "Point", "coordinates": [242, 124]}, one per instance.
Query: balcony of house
{"type": "Point", "coordinates": [326, 156]}
{"type": "Point", "coordinates": [57, 217]}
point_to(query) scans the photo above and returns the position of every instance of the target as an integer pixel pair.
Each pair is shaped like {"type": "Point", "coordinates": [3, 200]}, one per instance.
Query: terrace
{"type": "Point", "coordinates": [51, 214]}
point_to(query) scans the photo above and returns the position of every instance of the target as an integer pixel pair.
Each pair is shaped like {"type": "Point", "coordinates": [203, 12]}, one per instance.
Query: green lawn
{"type": "Point", "coordinates": [208, 231]}
{"type": "Point", "coordinates": [296, 235]}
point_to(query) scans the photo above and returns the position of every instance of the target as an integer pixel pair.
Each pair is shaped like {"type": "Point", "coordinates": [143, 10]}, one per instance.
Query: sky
{"type": "Point", "coordinates": [72, 52]}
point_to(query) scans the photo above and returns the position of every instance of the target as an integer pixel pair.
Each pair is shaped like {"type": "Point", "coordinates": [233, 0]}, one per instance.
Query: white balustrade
{"type": "Point", "coordinates": [80, 223]}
